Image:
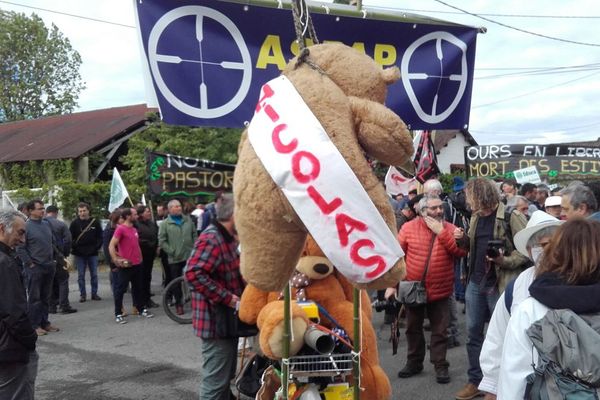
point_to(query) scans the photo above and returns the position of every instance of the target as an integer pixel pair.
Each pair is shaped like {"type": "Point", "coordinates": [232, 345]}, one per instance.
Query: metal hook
{"type": "Point", "coordinates": [326, 9]}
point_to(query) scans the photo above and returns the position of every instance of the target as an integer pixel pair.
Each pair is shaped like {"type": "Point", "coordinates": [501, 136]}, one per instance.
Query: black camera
{"type": "Point", "coordinates": [390, 305]}
{"type": "Point", "coordinates": [494, 248]}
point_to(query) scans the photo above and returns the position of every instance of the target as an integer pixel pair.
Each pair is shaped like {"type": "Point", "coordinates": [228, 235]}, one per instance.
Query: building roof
{"type": "Point", "coordinates": [67, 136]}
{"type": "Point", "coordinates": [443, 137]}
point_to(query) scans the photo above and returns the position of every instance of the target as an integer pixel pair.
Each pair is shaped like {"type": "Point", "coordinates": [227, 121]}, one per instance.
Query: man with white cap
{"type": "Point", "coordinates": [530, 242]}
{"type": "Point", "coordinates": [552, 206]}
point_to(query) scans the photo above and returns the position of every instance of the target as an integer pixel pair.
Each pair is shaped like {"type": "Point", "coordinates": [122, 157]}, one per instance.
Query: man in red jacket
{"type": "Point", "coordinates": [430, 242]}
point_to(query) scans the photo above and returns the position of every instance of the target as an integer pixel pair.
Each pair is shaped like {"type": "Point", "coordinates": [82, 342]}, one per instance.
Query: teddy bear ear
{"type": "Point", "coordinates": [311, 248]}
{"type": "Point", "coordinates": [390, 75]}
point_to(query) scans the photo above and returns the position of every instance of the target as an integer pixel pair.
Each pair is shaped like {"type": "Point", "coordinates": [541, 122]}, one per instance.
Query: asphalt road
{"type": "Point", "coordinates": [94, 358]}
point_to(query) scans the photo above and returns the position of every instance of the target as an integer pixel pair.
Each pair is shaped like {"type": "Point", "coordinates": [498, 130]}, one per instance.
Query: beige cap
{"type": "Point", "coordinates": [552, 201]}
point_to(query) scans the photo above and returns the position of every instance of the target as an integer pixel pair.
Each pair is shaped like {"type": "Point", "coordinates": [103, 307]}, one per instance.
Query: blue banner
{"type": "Point", "coordinates": [208, 60]}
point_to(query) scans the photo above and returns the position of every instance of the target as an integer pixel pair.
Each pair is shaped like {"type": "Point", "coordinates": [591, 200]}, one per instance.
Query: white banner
{"type": "Point", "coordinates": [396, 183]}
{"type": "Point", "coordinates": [319, 184]}
{"type": "Point", "coordinates": [527, 175]}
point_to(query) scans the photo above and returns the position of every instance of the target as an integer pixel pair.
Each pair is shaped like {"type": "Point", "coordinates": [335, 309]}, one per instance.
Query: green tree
{"type": "Point", "coordinates": [214, 144]}
{"type": "Point", "coordinates": [39, 70]}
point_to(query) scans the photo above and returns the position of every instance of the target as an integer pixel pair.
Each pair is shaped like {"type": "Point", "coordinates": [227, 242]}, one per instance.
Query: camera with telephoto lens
{"type": "Point", "coordinates": [390, 305]}
{"type": "Point", "coordinates": [494, 248]}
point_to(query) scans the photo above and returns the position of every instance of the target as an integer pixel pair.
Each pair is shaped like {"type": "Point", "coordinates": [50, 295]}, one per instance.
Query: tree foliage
{"type": "Point", "coordinates": [39, 70]}
{"type": "Point", "coordinates": [214, 144]}
{"type": "Point", "coordinates": [35, 174]}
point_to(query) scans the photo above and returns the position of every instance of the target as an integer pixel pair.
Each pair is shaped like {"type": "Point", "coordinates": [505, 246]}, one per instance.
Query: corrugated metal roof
{"type": "Point", "coordinates": [69, 135]}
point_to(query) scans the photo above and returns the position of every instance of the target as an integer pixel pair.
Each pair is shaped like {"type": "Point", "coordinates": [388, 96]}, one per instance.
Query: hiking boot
{"type": "Point", "coordinates": [410, 370]}
{"type": "Point", "coordinates": [96, 297]}
{"type": "Point", "coordinates": [441, 375]}
{"type": "Point", "coordinates": [82, 298]}
{"type": "Point", "coordinates": [68, 310]}
{"type": "Point", "coordinates": [119, 319]}
{"type": "Point", "coordinates": [179, 309]}
{"type": "Point", "coordinates": [468, 392]}
{"type": "Point", "coordinates": [146, 313]}
{"type": "Point", "coordinates": [51, 328]}
{"type": "Point", "coordinates": [41, 332]}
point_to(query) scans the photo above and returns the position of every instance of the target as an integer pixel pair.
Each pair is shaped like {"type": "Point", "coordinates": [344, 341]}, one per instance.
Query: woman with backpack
{"type": "Point", "coordinates": [558, 327]}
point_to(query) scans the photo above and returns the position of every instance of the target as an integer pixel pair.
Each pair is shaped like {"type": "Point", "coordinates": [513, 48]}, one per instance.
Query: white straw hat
{"type": "Point", "coordinates": [539, 220]}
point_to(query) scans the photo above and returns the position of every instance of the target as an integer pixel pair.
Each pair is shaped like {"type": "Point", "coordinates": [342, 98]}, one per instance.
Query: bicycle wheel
{"type": "Point", "coordinates": [178, 289]}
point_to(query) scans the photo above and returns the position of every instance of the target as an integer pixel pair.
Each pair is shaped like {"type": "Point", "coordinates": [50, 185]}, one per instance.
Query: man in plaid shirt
{"type": "Point", "coordinates": [213, 272]}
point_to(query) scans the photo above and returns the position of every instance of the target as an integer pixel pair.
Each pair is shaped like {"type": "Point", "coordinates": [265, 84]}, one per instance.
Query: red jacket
{"type": "Point", "coordinates": [415, 239]}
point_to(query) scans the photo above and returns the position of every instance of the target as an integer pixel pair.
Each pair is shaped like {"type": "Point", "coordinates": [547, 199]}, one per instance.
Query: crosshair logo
{"type": "Point", "coordinates": [437, 38]}
{"type": "Point", "coordinates": [204, 109]}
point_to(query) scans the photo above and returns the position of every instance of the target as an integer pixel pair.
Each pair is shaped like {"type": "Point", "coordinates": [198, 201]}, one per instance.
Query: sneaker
{"type": "Point", "coordinates": [441, 375]}
{"type": "Point", "coordinates": [468, 392]}
{"type": "Point", "coordinates": [68, 310]}
{"type": "Point", "coordinates": [96, 297]}
{"type": "Point", "coordinates": [119, 319]}
{"type": "Point", "coordinates": [82, 298]}
{"type": "Point", "coordinates": [51, 328]}
{"type": "Point", "coordinates": [410, 370]}
{"type": "Point", "coordinates": [152, 304]}
{"type": "Point", "coordinates": [453, 342]}
{"type": "Point", "coordinates": [146, 313]}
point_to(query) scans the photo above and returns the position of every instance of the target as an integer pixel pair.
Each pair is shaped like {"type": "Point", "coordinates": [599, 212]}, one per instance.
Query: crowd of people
{"type": "Point", "coordinates": [517, 258]}
{"type": "Point", "coordinates": [522, 262]}
{"type": "Point", "coordinates": [34, 269]}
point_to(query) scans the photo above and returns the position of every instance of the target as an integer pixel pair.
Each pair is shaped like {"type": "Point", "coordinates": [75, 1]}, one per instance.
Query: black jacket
{"type": "Point", "coordinates": [17, 336]}
{"type": "Point", "coordinates": [90, 242]}
{"type": "Point", "coordinates": [550, 290]}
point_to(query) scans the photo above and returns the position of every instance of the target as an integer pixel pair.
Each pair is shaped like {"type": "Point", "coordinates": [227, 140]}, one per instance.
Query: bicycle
{"type": "Point", "coordinates": [176, 286]}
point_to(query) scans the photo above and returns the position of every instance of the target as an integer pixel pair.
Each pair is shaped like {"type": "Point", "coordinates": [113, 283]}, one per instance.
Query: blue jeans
{"type": "Point", "coordinates": [39, 288]}
{"type": "Point", "coordinates": [17, 380]}
{"type": "Point", "coordinates": [480, 303]}
{"type": "Point", "coordinates": [92, 263]}
{"type": "Point", "coordinates": [219, 357]}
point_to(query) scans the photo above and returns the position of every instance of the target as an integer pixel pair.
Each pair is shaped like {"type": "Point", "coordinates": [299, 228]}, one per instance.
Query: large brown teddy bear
{"type": "Point", "coordinates": [346, 94]}
{"type": "Point", "coordinates": [334, 293]}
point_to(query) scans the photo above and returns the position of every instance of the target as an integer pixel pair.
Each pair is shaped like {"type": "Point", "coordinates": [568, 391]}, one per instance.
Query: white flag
{"type": "Point", "coordinates": [118, 191]}
{"type": "Point", "coordinates": [396, 183]}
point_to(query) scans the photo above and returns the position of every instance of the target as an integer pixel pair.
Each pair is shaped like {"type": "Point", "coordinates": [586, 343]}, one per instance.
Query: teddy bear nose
{"type": "Point", "coordinates": [321, 268]}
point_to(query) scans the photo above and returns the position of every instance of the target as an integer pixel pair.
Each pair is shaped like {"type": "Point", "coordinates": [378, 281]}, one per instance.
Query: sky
{"type": "Point", "coordinates": [527, 88]}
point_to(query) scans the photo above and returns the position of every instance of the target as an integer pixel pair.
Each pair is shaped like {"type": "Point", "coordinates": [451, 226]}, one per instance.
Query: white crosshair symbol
{"type": "Point", "coordinates": [203, 110]}
{"type": "Point", "coordinates": [435, 116]}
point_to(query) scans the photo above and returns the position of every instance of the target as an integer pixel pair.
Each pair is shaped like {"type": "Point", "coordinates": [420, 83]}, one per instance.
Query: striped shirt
{"type": "Point", "coordinates": [213, 273]}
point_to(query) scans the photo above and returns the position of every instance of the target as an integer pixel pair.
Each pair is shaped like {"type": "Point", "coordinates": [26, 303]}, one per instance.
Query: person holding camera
{"type": "Point", "coordinates": [431, 243]}
{"type": "Point", "coordinates": [492, 264]}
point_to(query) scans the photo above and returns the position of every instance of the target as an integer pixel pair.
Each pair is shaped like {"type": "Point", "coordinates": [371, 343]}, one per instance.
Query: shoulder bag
{"type": "Point", "coordinates": [228, 323]}
{"type": "Point", "coordinates": [413, 293]}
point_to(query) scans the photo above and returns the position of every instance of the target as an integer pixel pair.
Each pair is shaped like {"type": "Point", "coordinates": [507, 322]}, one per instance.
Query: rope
{"type": "Point", "coordinates": [303, 25]}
